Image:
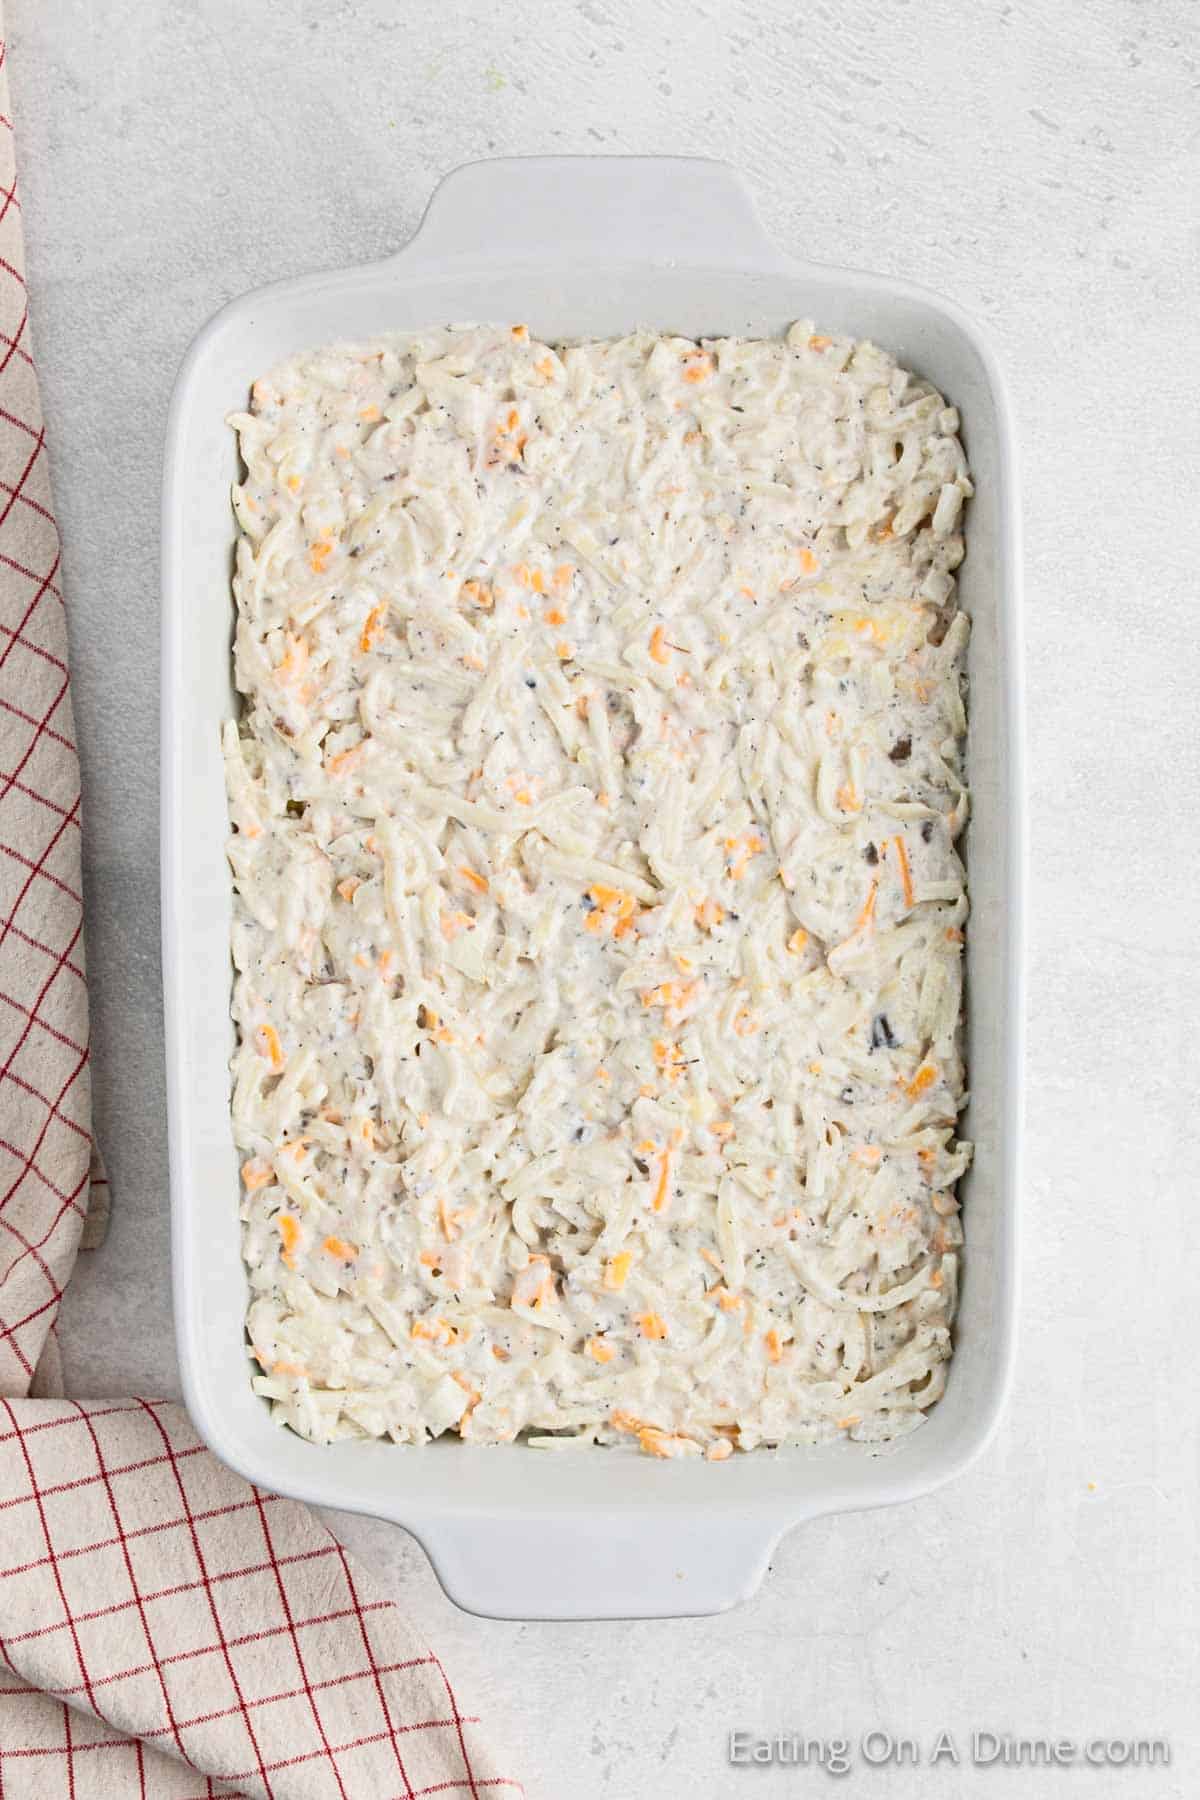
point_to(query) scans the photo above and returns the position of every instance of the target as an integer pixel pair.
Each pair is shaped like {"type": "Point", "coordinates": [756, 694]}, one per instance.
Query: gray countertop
{"type": "Point", "coordinates": [1041, 166]}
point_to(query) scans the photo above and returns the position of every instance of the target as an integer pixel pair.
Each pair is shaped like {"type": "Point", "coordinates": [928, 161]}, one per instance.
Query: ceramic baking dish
{"type": "Point", "coordinates": [577, 247]}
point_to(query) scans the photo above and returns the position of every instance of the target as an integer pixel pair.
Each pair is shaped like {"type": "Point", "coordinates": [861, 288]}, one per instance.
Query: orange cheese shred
{"type": "Point", "coordinates": [662, 1187]}
{"type": "Point", "coordinates": [288, 1227]}
{"type": "Point", "coordinates": [905, 871]}
{"type": "Point", "coordinates": [270, 1046]}
{"type": "Point", "coordinates": [616, 1270]}
{"type": "Point", "coordinates": [371, 625]}
{"type": "Point", "coordinates": [339, 1248]}
{"type": "Point", "coordinates": [924, 1078]}
{"type": "Point", "coordinates": [867, 913]}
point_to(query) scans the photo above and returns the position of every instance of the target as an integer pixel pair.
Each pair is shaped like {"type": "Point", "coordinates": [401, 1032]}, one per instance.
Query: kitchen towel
{"type": "Point", "coordinates": [166, 1629]}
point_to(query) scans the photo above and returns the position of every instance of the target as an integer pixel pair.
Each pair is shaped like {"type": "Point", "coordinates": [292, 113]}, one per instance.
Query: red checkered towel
{"type": "Point", "coordinates": [165, 1629]}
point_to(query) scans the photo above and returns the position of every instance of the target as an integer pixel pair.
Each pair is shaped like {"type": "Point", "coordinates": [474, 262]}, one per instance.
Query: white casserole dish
{"type": "Point", "coordinates": [575, 247]}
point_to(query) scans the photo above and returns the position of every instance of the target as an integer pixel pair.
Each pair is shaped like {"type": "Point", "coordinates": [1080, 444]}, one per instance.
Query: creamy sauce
{"type": "Point", "coordinates": [599, 924]}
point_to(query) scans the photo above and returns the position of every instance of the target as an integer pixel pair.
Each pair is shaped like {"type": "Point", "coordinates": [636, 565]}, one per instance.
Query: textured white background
{"type": "Point", "coordinates": [1040, 164]}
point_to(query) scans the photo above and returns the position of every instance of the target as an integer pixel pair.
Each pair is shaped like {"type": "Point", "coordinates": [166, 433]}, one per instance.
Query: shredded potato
{"type": "Point", "coordinates": [599, 920]}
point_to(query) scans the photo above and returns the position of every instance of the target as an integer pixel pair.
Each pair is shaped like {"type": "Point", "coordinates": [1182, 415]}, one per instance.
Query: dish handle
{"type": "Point", "coordinates": [660, 209]}
{"type": "Point", "coordinates": [617, 1565]}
